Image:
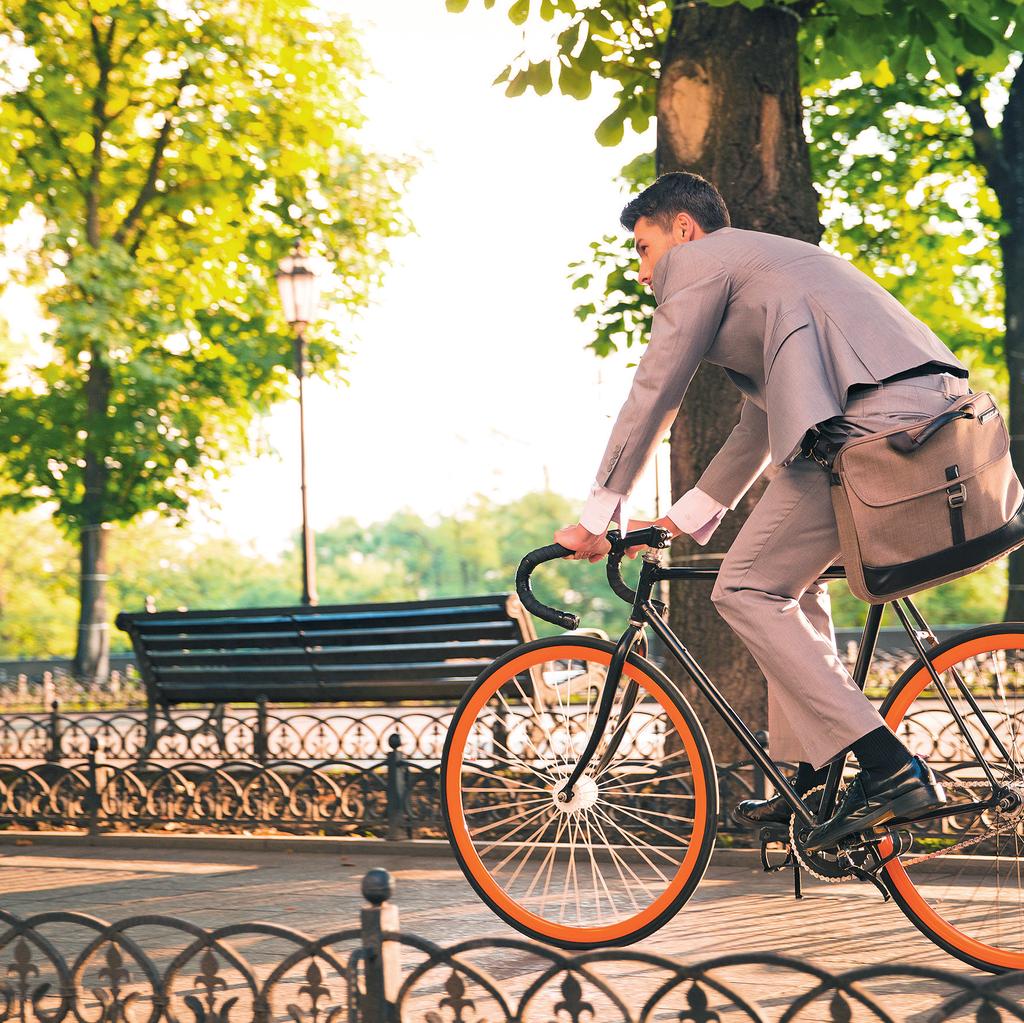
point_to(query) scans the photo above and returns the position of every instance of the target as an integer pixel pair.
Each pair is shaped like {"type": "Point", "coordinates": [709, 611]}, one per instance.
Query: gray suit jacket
{"type": "Point", "coordinates": [791, 324]}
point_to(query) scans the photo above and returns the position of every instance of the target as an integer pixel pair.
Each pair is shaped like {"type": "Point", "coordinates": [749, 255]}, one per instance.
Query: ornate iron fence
{"type": "Point", "coordinates": [317, 734]}
{"type": "Point", "coordinates": [394, 798]}
{"type": "Point", "coordinates": [60, 966]}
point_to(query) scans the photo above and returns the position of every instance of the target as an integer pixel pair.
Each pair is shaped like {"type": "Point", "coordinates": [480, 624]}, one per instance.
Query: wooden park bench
{"type": "Point", "coordinates": [341, 653]}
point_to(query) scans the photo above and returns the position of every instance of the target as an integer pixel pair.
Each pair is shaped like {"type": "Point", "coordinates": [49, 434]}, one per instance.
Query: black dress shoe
{"type": "Point", "coordinates": [769, 813]}
{"type": "Point", "coordinates": [872, 800]}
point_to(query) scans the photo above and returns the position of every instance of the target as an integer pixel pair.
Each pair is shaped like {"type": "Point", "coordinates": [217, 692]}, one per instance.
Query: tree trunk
{"type": "Point", "coordinates": [1009, 183]}
{"type": "Point", "coordinates": [729, 108]}
{"type": "Point", "coordinates": [1013, 277]}
{"type": "Point", "coordinates": [92, 656]}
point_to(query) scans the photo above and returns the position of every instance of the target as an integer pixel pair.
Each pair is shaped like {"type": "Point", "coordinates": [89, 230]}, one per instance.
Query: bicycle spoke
{"type": "Point", "coordinates": [634, 844]}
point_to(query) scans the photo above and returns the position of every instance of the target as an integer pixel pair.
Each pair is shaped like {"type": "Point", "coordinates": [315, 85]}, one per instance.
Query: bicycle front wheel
{"type": "Point", "coordinates": [963, 882]}
{"type": "Point", "coordinates": [620, 858]}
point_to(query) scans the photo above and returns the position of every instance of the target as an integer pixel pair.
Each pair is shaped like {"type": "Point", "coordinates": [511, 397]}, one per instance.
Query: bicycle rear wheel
{"type": "Point", "coordinates": [968, 895]}
{"type": "Point", "coordinates": [628, 850]}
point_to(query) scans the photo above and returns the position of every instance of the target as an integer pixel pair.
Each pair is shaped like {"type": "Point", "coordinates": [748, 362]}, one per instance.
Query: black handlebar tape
{"type": "Point", "coordinates": [615, 580]}
{"type": "Point", "coordinates": [563, 619]}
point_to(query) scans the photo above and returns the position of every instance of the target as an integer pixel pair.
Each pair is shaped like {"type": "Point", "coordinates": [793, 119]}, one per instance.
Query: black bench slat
{"type": "Point", "coordinates": [271, 640]}
{"type": "Point", "coordinates": [375, 607]}
{"type": "Point", "coordinates": [430, 649]}
{"type": "Point", "coordinates": [337, 692]}
{"type": "Point", "coordinates": [173, 677]}
{"type": "Point", "coordinates": [201, 621]}
{"type": "Point", "coordinates": [432, 653]}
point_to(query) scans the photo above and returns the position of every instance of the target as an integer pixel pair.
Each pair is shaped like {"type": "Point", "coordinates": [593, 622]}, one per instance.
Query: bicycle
{"type": "Point", "coordinates": [611, 790]}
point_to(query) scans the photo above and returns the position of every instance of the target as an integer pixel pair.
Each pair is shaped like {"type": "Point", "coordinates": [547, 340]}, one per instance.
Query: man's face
{"type": "Point", "coordinates": [652, 240]}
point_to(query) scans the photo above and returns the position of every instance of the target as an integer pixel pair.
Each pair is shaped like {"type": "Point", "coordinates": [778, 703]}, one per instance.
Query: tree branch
{"type": "Point", "coordinates": [99, 127]}
{"type": "Point", "coordinates": [148, 189]}
{"type": "Point", "coordinates": [987, 147]}
{"type": "Point", "coordinates": [1013, 142]}
{"type": "Point", "coordinates": [53, 133]}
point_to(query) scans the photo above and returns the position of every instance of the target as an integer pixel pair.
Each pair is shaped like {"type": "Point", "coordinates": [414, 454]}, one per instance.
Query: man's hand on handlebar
{"type": "Point", "coordinates": [586, 545]}
{"type": "Point", "coordinates": [665, 522]}
{"type": "Point", "coordinates": [594, 546]}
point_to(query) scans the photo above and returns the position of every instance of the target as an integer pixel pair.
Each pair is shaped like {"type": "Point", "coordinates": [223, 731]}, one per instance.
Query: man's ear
{"type": "Point", "coordinates": [682, 226]}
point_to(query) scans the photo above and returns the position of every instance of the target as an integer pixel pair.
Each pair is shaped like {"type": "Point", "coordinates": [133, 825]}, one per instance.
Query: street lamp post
{"type": "Point", "coordinates": [296, 283]}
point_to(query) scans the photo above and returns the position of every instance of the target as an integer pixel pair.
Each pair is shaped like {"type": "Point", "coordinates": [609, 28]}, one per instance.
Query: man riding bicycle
{"type": "Point", "coordinates": [819, 351]}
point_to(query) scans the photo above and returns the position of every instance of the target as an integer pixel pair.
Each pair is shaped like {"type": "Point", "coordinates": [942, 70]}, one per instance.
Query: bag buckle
{"type": "Point", "coordinates": [957, 496]}
{"type": "Point", "coordinates": [818, 449]}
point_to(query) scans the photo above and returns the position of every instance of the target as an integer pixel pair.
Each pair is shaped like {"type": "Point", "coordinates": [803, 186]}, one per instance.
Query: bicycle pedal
{"type": "Point", "coordinates": [766, 864]}
{"type": "Point", "coordinates": [778, 833]}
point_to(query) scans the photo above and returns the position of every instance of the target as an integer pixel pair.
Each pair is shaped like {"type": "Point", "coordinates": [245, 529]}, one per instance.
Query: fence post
{"type": "Point", "coordinates": [48, 694]}
{"type": "Point", "coordinates": [53, 754]}
{"type": "Point", "coordinates": [92, 794]}
{"type": "Point", "coordinates": [260, 739]}
{"type": "Point", "coordinates": [397, 791]}
{"type": "Point", "coordinates": [383, 964]}
{"type": "Point", "coordinates": [759, 780]}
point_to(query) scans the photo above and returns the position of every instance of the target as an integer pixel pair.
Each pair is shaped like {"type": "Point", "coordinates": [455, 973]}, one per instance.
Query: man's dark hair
{"type": "Point", "coordinates": [674, 193]}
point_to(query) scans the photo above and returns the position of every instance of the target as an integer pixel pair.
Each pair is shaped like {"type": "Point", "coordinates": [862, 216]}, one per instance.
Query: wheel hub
{"type": "Point", "coordinates": [1012, 803]}
{"type": "Point", "coordinates": [584, 796]}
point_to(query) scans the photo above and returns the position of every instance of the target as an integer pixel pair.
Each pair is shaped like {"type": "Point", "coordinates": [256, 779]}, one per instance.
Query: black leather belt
{"type": "Point", "coordinates": [927, 370]}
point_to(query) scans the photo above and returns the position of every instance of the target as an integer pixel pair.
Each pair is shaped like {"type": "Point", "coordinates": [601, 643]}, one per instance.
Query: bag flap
{"type": "Point", "coordinates": [878, 474]}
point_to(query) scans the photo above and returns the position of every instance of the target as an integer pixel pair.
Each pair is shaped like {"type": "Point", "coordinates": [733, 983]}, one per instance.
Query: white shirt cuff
{"type": "Point", "coordinates": [698, 514]}
{"type": "Point", "coordinates": [601, 507]}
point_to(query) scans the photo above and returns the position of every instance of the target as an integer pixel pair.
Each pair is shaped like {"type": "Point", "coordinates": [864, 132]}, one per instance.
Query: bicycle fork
{"type": "Point", "coordinates": [633, 635]}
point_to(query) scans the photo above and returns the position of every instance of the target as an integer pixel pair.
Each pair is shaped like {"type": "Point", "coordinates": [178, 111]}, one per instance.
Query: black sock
{"type": "Point", "coordinates": [880, 752]}
{"type": "Point", "coordinates": [807, 778]}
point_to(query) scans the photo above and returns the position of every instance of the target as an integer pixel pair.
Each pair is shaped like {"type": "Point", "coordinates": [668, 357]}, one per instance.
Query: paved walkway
{"type": "Point", "coordinates": [737, 909]}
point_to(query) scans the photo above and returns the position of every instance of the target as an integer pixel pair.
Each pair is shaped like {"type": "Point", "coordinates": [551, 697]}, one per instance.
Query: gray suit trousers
{"type": "Point", "coordinates": [767, 590]}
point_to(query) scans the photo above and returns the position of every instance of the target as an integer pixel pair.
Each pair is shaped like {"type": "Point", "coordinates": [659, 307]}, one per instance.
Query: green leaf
{"type": "Point", "coordinates": [868, 6]}
{"type": "Point", "coordinates": [640, 118]}
{"type": "Point", "coordinates": [574, 81]}
{"type": "Point", "coordinates": [609, 131]}
{"type": "Point", "coordinates": [539, 77]}
{"type": "Point", "coordinates": [976, 41]}
{"type": "Point", "coordinates": [590, 58]}
{"type": "Point", "coordinates": [517, 86]}
{"type": "Point", "coordinates": [503, 77]}
{"type": "Point", "coordinates": [547, 9]}
{"type": "Point", "coordinates": [519, 12]}
{"type": "Point", "coordinates": [456, 6]}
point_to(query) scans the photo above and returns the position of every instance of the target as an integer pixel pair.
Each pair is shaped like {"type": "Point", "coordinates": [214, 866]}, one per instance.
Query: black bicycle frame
{"type": "Point", "coordinates": [650, 611]}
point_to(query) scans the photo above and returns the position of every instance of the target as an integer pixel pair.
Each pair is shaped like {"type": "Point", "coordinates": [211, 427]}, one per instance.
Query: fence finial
{"type": "Point", "coordinates": [378, 886]}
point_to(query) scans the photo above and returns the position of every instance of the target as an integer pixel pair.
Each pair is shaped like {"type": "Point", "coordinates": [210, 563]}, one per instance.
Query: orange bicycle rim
{"type": "Point", "coordinates": [898, 875]}
{"type": "Point", "coordinates": [622, 929]}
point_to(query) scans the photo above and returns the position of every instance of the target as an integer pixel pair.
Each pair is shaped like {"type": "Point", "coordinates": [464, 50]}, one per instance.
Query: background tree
{"type": "Point", "coordinates": [999, 151]}
{"type": "Point", "coordinates": [724, 81]}
{"type": "Point", "coordinates": [174, 152]}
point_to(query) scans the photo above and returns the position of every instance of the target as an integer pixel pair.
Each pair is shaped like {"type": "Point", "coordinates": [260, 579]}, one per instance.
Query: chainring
{"type": "Point", "coordinates": [824, 864]}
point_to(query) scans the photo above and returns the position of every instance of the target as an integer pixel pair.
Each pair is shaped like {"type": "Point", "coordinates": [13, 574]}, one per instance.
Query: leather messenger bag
{"type": "Point", "coordinates": [920, 505]}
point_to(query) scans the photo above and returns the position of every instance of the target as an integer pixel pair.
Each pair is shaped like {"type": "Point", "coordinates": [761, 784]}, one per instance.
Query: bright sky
{"type": "Point", "coordinates": [471, 374]}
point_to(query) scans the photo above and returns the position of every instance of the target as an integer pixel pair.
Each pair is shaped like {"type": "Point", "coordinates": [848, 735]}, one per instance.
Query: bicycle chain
{"type": "Point", "coordinates": [966, 843]}
{"type": "Point", "coordinates": [971, 840]}
{"type": "Point", "coordinates": [794, 847]}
